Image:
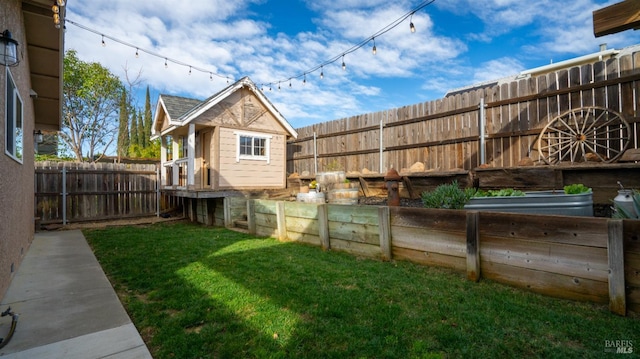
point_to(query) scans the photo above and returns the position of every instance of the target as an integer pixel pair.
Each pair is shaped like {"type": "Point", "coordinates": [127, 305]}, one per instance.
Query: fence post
{"type": "Point", "coordinates": [251, 216]}
{"type": "Point", "coordinates": [381, 147]}
{"type": "Point", "coordinates": [473, 246]}
{"type": "Point", "coordinates": [615, 250]}
{"type": "Point", "coordinates": [483, 120]}
{"type": "Point", "coordinates": [315, 153]}
{"type": "Point", "coordinates": [64, 196]}
{"type": "Point", "coordinates": [384, 224]}
{"type": "Point", "coordinates": [323, 226]}
{"type": "Point", "coordinates": [281, 220]}
{"type": "Point", "coordinates": [157, 191]}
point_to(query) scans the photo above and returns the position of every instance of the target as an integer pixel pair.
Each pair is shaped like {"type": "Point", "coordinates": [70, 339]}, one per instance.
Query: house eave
{"type": "Point", "coordinates": [45, 49]}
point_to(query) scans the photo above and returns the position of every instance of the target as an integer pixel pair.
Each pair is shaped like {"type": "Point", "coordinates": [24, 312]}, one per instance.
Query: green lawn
{"type": "Point", "coordinates": [202, 292]}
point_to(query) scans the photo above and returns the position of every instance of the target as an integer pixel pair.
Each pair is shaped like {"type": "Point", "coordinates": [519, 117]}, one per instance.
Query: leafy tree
{"type": "Point", "coordinates": [91, 101]}
{"type": "Point", "coordinates": [123, 130]}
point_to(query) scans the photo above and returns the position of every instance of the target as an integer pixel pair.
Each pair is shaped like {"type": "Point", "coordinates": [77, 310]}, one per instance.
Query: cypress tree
{"type": "Point", "coordinates": [147, 119]}
{"type": "Point", "coordinates": [142, 139]}
{"type": "Point", "coordinates": [123, 127]}
{"type": "Point", "coordinates": [134, 141]}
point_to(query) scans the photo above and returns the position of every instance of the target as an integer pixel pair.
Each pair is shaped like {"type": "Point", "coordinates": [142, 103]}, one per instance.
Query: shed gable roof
{"type": "Point", "coordinates": [181, 111]}
{"type": "Point", "coordinates": [177, 106]}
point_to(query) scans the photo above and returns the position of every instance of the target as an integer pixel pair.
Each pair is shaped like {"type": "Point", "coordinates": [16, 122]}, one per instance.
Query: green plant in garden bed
{"type": "Point", "coordinates": [202, 292]}
{"type": "Point", "coordinates": [448, 196]}
{"type": "Point", "coordinates": [576, 189]}
{"type": "Point", "coordinates": [507, 192]}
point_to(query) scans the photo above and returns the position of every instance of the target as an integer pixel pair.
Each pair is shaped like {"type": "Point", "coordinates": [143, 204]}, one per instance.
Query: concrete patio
{"type": "Point", "coordinates": [66, 305]}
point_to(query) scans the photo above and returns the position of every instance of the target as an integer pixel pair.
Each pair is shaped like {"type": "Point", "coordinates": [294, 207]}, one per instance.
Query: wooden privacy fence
{"type": "Point", "coordinates": [579, 258]}
{"type": "Point", "coordinates": [72, 192]}
{"type": "Point", "coordinates": [448, 134]}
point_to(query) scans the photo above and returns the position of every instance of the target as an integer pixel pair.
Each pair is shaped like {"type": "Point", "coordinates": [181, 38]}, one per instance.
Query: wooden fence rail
{"type": "Point", "coordinates": [72, 192]}
{"type": "Point", "coordinates": [579, 258]}
{"type": "Point", "coordinates": [445, 134]}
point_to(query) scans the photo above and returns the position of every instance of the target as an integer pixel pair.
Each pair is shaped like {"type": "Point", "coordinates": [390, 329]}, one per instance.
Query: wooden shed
{"type": "Point", "coordinates": [234, 140]}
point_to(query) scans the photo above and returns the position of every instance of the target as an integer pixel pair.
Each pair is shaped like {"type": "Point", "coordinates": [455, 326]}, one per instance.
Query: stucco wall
{"type": "Point", "coordinates": [16, 180]}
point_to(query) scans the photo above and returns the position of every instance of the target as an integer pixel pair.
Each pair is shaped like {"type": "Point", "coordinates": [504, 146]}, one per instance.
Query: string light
{"type": "Point", "coordinates": [355, 47]}
{"type": "Point", "coordinates": [139, 49]}
{"type": "Point", "coordinates": [384, 30]}
{"type": "Point", "coordinates": [304, 81]}
{"type": "Point", "coordinates": [57, 13]}
{"type": "Point", "coordinates": [137, 54]}
{"type": "Point", "coordinates": [289, 83]}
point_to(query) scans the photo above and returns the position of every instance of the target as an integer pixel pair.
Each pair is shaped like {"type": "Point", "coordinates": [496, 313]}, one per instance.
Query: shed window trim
{"type": "Point", "coordinates": [14, 134]}
{"type": "Point", "coordinates": [253, 146]}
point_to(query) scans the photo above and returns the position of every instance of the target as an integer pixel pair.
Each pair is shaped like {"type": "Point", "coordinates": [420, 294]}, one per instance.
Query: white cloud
{"type": "Point", "coordinates": [497, 69]}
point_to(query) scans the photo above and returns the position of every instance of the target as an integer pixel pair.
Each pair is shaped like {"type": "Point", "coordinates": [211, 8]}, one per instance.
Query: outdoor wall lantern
{"type": "Point", "coordinates": [8, 49]}
{"type": "Point", "coordinates": [38, 136]}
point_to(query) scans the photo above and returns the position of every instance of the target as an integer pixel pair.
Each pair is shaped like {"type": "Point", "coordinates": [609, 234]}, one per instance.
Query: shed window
{"type": "Point", "coordinates": [252, 147]}
{"type": "Point", "coordinates": [13, 122]}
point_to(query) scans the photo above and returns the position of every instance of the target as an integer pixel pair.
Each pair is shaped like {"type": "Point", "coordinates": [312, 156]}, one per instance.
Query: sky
{"type": "Point", "coordinates": [276, 43]}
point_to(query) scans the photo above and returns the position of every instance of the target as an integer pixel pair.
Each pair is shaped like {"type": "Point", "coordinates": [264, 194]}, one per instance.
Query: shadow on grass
{"type": "Point", "coordinates": [201, 292]}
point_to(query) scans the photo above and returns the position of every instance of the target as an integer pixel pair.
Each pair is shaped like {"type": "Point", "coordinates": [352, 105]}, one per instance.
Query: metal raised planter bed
{"type": "Point", "coordinates": [539, 202]}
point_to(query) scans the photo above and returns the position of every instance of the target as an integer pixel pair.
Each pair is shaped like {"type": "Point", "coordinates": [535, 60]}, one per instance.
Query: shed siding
{"type": "Point", "coordinates": [242, 109]}
{"type": "Point", "coordinates": [251, 173]}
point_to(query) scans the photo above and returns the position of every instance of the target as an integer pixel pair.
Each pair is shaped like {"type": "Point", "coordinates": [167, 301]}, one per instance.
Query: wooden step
{"type": "Point", "coordinates": [241, 224]}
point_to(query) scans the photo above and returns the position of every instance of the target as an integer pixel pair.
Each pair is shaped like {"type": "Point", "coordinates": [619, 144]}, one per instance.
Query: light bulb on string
{"type": "Point", "coordinates": [210, 76]}
{"type": "Point", "coordinates": [137, 54]}
{"type": "Point", "coordinates": [344, 66]}
{"type": "Point", "coordinates": [103, 43]}
{"type": "Point", "coordinates": [304, 80]}
{"type": "Point", "coordinates": [411, 26]}
{"type": "Point", "coordinates": [321, 72]}
{"type": "Point", "coordinates": [189, 70]}
{"type": "Point", "coordinates": [374, 50]}
{"type": "Point", "coordinates": [166, 65]}
{"type": "Point", "coordinates": [289, 83]}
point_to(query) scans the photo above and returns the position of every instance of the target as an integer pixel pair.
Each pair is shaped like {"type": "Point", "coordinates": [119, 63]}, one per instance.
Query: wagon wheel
{"type": "Point", "coordinates": [584, 134]}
